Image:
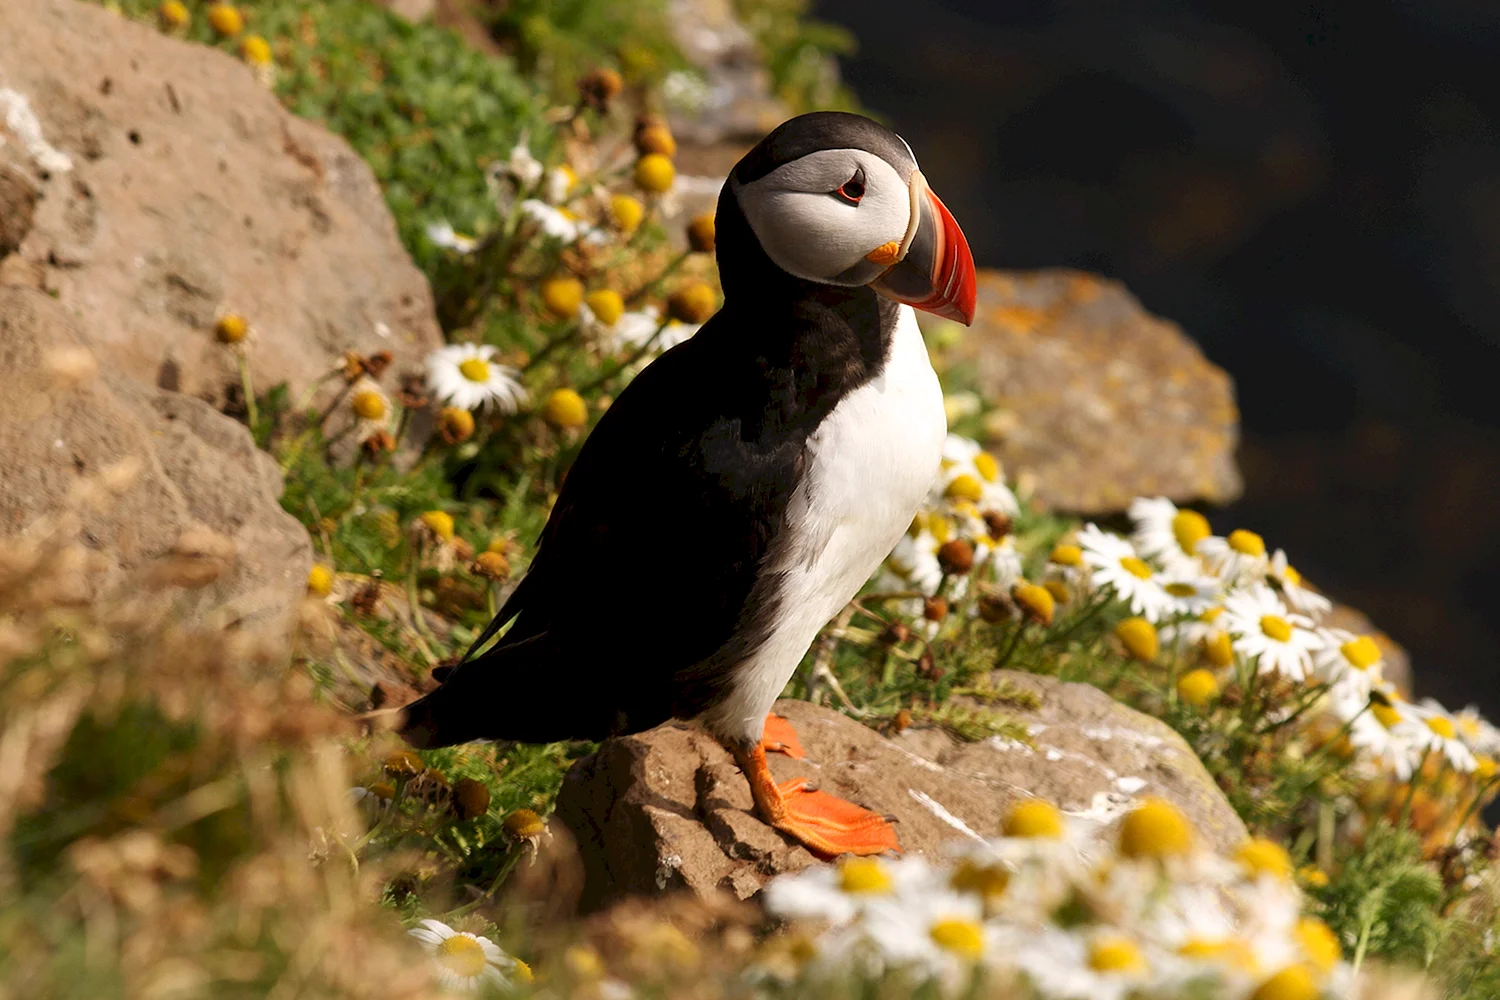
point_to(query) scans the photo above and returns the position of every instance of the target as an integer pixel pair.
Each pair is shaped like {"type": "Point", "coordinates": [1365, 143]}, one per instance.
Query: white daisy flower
{"type": "Point", "coordinates": [1080, 964]}
{"type": "Point", "coordinates": [1438, 733]}
{"type": "Point", "coordinates": [938, 933]}
{"type": "Point", "coordinates": [915, 561]}
{"type": "Point", "coordinates": [634, 329]}
{"type": "Point", "coordinates": [466, 961]}
{"type": "Point", "coordinates": [1379, 729]}
{"type": "Point", "coordinates": [1117, 565]}
{"type": "Point", "coordinates": [1477, 732]}
{"type": "Point", "coordinates": [1237, 558]}
{"type": "Point", "coordinates": [998, 559]}
{"type": "Point", "coordinates": [836, 894]}
{"type": "Point", "coordinates": [442, 234]}
{"type": "Point", "coordinates": [1347, 662]}
{"type": "Point", "coordinates": [1188, 591]}
{"type": "Point", "coordinates": [468, 377]}
{"type": "Point", "coordinates": [1280, 641]}
{"type": "Point", "coordinates": [1295, 591]}
{"type": "Point", "coordinates": [969, 473]}
{"type": "Point", "coordinates": [559, 183]}
{"type": "Point", "coordinates": [1168, 534]}
{"type": "Point", "coordinates": [561, 224]}
{"type": "Point", "coordinates": [1204, 631]}
{"type": "Point", "coordinates": [525, 168]}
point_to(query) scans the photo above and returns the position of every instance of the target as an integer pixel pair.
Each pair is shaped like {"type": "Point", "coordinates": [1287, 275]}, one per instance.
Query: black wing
{"type": "Point", "coordinates": [646, 567]}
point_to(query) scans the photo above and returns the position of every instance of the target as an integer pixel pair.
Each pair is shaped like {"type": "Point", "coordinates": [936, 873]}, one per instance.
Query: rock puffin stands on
{"type": "Point", "coordinates": [666, 810]}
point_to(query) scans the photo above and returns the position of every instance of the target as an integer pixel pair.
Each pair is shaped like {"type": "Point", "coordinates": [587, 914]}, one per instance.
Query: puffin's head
{"type": "Point", "coordinates": [837, 199]}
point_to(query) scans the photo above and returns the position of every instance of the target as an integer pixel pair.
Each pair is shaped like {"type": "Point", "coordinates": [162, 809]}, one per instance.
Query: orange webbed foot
{"type": "Point", "coordinates": [779, 737]}
{"type": "Point", "coordinates": [829, 826]}
{"type": "Point", "coordinates": [824, 824]}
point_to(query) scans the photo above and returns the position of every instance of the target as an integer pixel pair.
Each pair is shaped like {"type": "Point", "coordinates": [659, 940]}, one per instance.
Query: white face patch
{"type": "Point", "coordinates": [808, 230]}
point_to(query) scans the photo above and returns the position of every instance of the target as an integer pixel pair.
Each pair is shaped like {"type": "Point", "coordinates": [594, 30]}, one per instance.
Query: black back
{"type": "Point", "coordinates": [649, 583]}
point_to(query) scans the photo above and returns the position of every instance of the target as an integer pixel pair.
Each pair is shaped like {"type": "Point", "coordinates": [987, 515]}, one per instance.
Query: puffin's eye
{"type": "Point", "coordinates": [854, 188]}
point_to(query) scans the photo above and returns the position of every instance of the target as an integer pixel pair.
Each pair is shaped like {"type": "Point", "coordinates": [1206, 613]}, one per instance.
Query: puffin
{"type": "Point", "coordinates": [742, 488]}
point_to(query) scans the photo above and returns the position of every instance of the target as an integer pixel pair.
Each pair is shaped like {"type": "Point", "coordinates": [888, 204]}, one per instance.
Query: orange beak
{"type": "Point", "coordinates": [934, 271]}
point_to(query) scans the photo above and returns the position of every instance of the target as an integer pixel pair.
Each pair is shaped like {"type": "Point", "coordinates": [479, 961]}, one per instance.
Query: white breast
{"type": "Point", "coordinates": [869, 464]}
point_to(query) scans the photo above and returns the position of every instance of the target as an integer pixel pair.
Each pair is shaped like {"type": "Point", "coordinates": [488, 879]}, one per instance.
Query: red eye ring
{"type": "Point", "coordinates": [853, 189]}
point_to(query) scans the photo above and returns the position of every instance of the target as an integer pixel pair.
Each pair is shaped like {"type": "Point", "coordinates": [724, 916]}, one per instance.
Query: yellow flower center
{"type": "Point", "coordinates": [1067, 555]}
{"type": "Point", "coordinates": [1139, 638]}
{"type": "Point", "coordinates": [1259, 856]}
{"type": "Point", "coordinates": [1247, 543]}
{"type": "Point", "coordinates": [1362, 653]}
{"type": "Point", "coordinates": [1210, 615]}
{"type": "Point", "coordinates": [1197, 687]}
{"type": "Point", "coordinates": [474, 369]}
{"type": "Point", "coordinates": [440, 522]}
{"type": "Point", "coordinates": [964, 938]}
{"type": "Point", "coordinates": [1225, 951]}
{"type": "Point", "coordinates": [1275, 627]}
{"type": "Point", "coordinates": [1059, 591]}
{"type": "Point", "coordinates": [1136, 567]}
{"type": "Point", "coordinates": [522, 972]}
{"type": "Point", "coordinates": [523, 824]}
{"type": "Point", "coordinates": [1291, 577]}
{"type": "Point", "coordinates": [1385, 714]}
{"type": "Point", "coordinates": [1443, 727]}
{"type": "Point", "coordinates": [319, 580]}
{"type": "Point", "coordinates": [627, 212]}
{"type": "Point", "coordinates": [1189, 528]}
{"type": "Point", "coordinates": [368, 404]}
{"type": "Point", "coordinates": [965, 487]}
{"type": "Point", "coordinates": [987, 466]}
{"type": "Point", "coordinates": [1295, 982]}
{"type": "Point", "coordinates": [1319, 943]}
{"type": "Point", "coordinates": [1035, 818]}
{"type": "Point", "coordinates": [1155, 829]}
{"type": "Point", "coordinates": [231, 328]}
{"type": "Point", "coordinates": [940, 528]}
{"type": "Point", "coordinates": [864, 876]}
{"type": "Point", "coordinates": [654, 173]}
{"type": "Point", "coordinates": [1037, 602]}
{"type": "Point", "coordinates": [1312, 875]}
{"type": "Point", "coordinates": [988, 881]}
{"type": "Point", "coordinates": [462, 955]}
{"type": "Point", "coordinates": [1219, 650]}
{"type": "Point", "coordinates": [1181, 589]}
{"type": "Point", "coordinates": [226, 19]}
{"type": "Point", "coordinates": [1485, 768]}
{"type": "Point", "coordinates": [1116, 954]}
{"type": "Point", "coordinates": [562, 296]}
{"type": "Point", "coordinates": [256, 51]}
{"type": "Point", "coordinates": [606, 305]}
{"type": "Point", "coordinates": [565, 409]}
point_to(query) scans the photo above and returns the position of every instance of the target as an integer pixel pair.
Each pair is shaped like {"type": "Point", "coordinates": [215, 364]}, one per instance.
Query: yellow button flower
{"type": "Point", "coordinates": [655, 173]}
{"type": "Point", "coordinates": [565, 409]}
{"type": "Point", "coordinates": [1198, 687]}
{"type": "Point", "coordinates": [1155, 829]}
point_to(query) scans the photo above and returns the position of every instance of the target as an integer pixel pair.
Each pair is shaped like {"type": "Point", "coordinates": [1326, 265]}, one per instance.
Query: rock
{"type": "Point", "coordinates": [17, 206]}
{"type": "Point", "coordinates": [736, 105]}
{"type": "Point", "coordinates": [1100, 401]}
{"type": "Point", "coordinates": [667, 809]}
{"type": "Point", "coordinates": [200, 510]}
{"type": "Point", "coordinates": [192, 192]}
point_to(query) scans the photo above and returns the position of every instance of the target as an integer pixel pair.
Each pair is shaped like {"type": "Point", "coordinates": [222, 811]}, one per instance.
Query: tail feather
{"type": "Point", "coordinates": [525, 692]}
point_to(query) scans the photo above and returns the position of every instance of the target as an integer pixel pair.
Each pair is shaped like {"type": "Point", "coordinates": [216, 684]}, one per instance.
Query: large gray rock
{"type": "Point", "coordinates": [180, 189]}
{"type": "Point", "coordinates": [1100, 401]}
{"type": "Point", "coordinates": [667, 809]}
{"type": "Point", "coordinates": [199, 512]}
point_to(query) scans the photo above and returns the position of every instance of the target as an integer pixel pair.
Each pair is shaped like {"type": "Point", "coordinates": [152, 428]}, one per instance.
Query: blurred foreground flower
{"type": "Point", "coordinates": [467, 961]}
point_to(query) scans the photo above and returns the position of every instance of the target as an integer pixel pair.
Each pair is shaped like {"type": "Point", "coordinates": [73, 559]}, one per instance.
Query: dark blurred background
{"type": "Point", "coordinates": [1313, 192]}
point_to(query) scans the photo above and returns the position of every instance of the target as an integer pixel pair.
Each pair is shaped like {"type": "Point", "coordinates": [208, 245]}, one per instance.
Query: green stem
{"type": "Point", "coordinates": [249, 390]}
